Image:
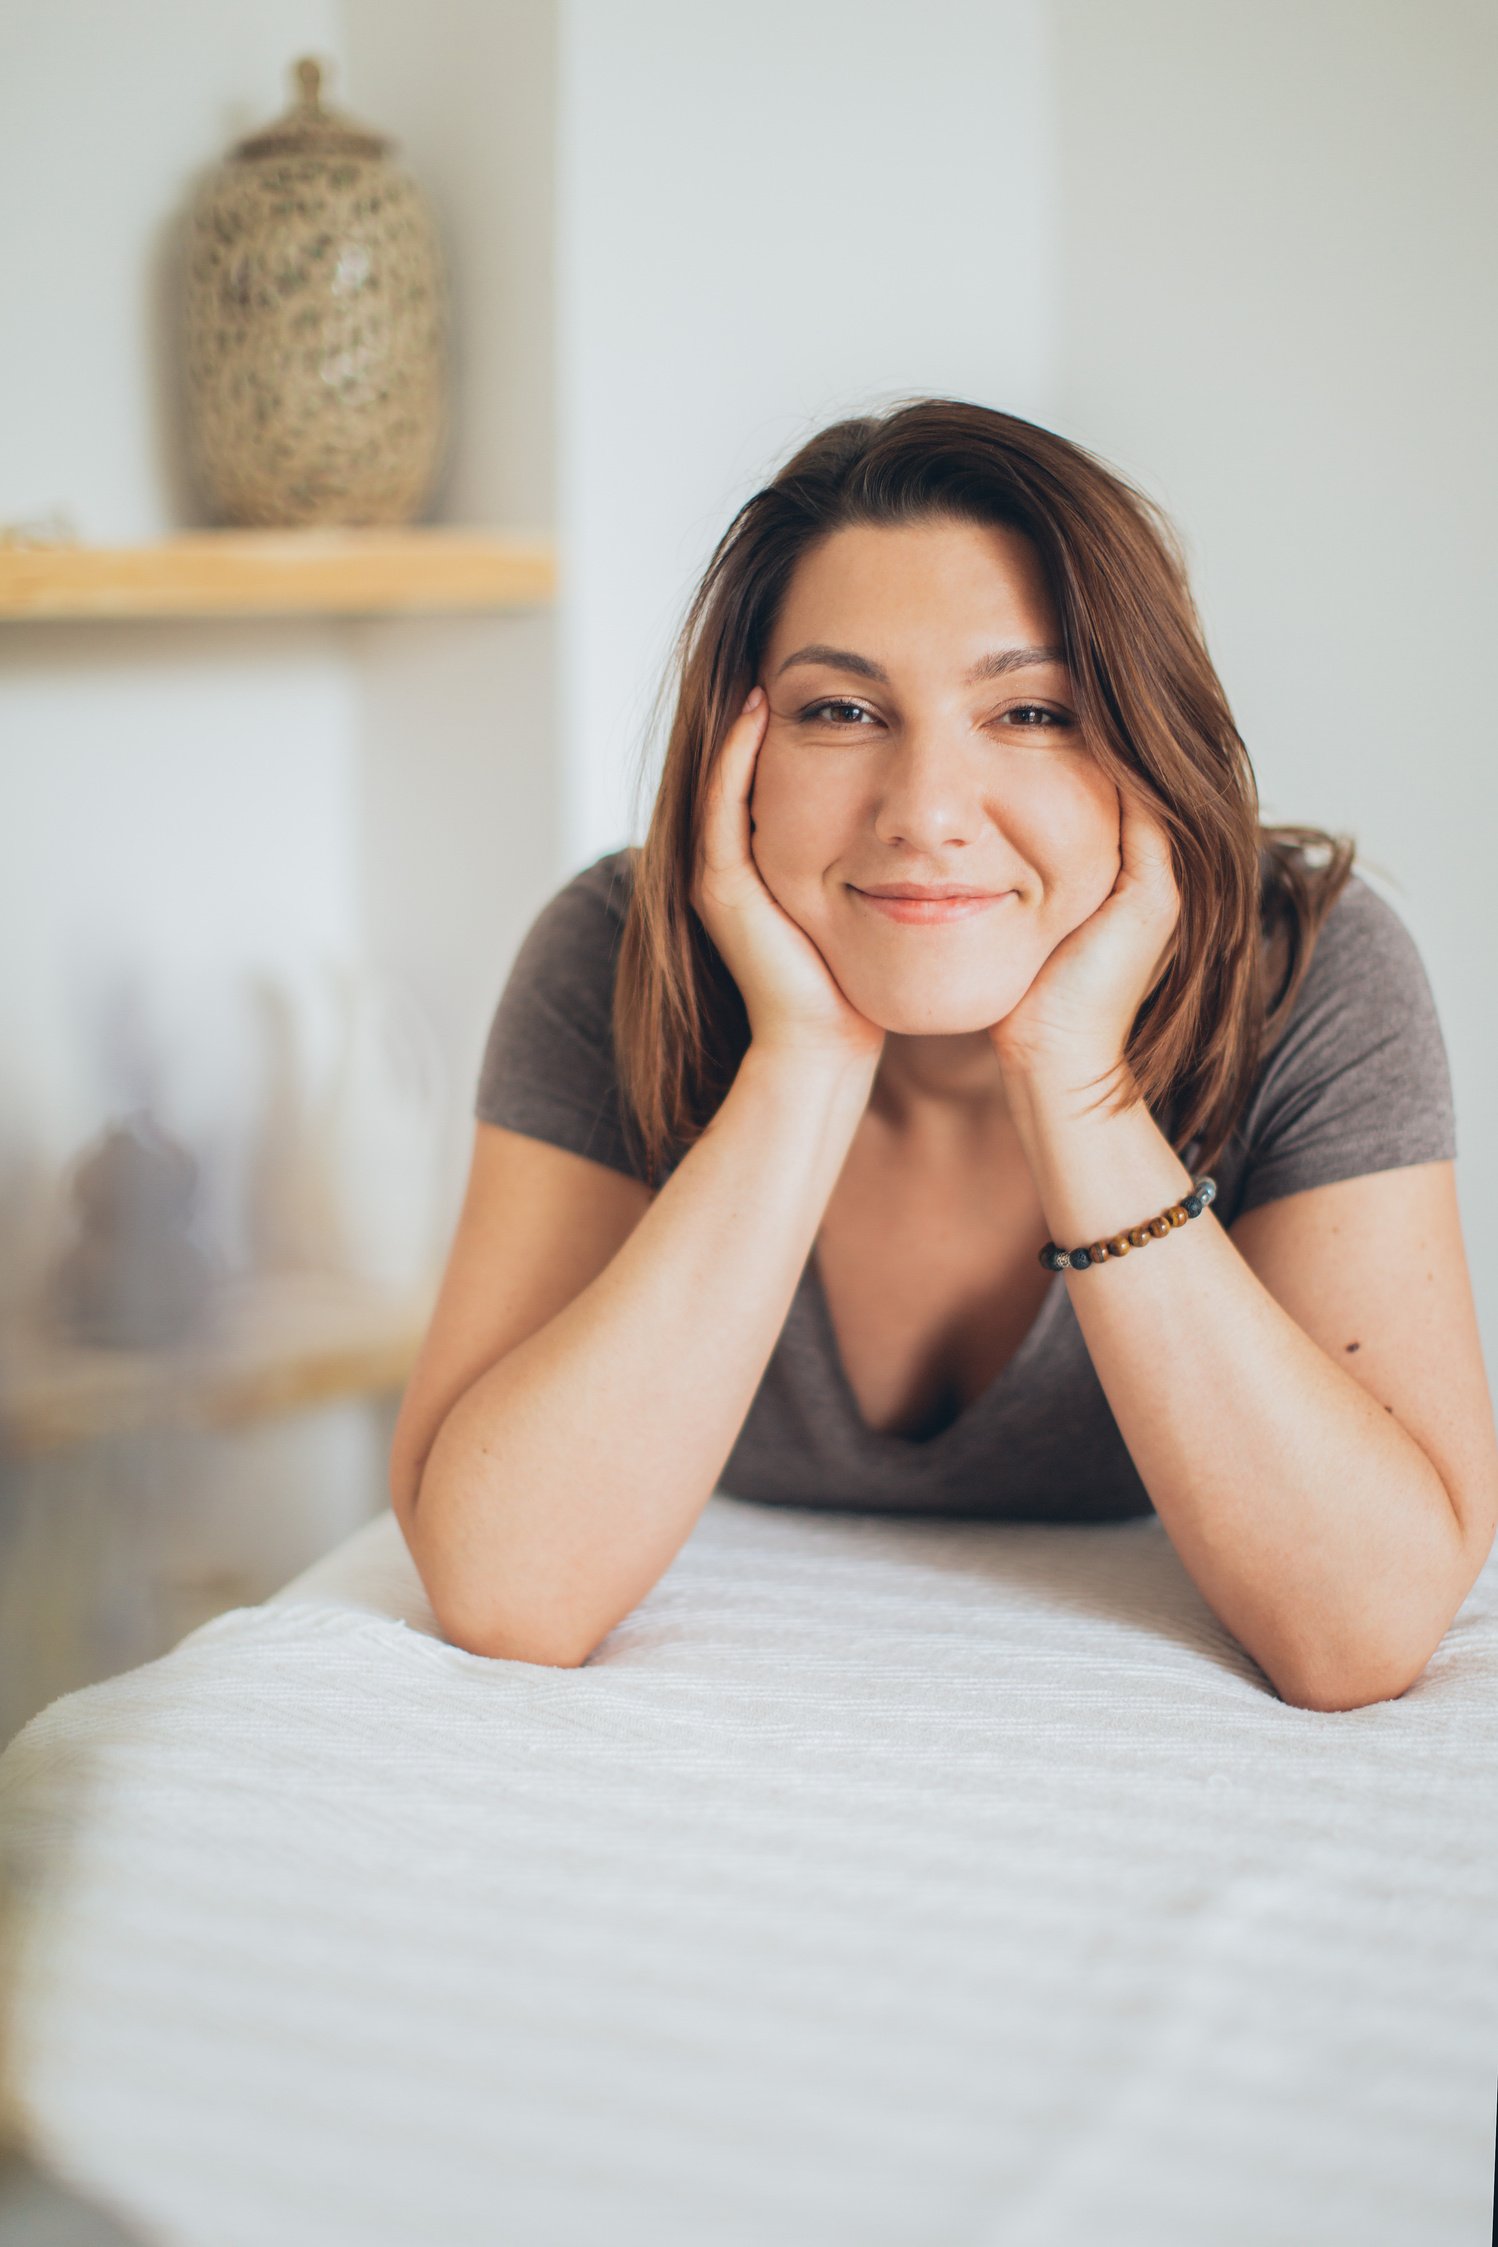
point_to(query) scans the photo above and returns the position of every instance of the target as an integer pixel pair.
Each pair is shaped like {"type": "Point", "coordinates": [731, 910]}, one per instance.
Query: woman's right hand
{"type": "Point", "coordinates": [790, 994]}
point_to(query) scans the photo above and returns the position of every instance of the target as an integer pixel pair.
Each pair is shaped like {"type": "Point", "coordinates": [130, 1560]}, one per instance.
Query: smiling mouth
{"type": "Point", "coordinates": [922, 907]}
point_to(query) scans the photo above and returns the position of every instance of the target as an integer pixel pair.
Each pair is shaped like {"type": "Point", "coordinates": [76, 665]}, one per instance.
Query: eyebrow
{"type": "Point", "coordinates": [991, 666]}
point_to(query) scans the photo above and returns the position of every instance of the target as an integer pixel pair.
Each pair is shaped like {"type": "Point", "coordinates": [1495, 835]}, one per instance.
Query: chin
{"type": "Point", "coordinates": [927, 1012]}
{"type": "Point", "coordinates": [932, 1023]}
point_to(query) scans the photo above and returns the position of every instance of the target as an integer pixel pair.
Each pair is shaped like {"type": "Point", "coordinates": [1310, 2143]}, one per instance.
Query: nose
{"type": "Point", "coordinates": [930, 793]}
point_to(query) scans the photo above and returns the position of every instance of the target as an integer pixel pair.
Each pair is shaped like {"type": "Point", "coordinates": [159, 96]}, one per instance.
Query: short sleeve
{"type": "Point", "coordinates": [548, 1065]}
{"type": "Point", "coordinates": [1360, 1080]}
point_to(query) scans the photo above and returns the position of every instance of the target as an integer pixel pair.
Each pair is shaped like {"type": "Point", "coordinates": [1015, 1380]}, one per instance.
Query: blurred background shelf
{"type": "Point", "coordinates": [422, 569]}
{"type": "Point", "coordinates": [280, 1343]}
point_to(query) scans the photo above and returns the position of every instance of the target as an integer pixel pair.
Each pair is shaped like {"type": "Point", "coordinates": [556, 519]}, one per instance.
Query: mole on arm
{"type": "Point", "coordinates": [1354, 1345]}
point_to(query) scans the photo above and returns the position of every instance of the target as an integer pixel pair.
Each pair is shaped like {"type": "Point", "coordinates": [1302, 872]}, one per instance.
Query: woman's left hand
{"type": "Point", "coordinates": [1072, 1025]}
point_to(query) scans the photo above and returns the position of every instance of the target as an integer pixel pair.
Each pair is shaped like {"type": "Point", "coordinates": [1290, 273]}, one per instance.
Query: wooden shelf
{"type": "Point", "coordinates": [423, 569]}
{"type": "Point", "coordinates": [279, 1343]}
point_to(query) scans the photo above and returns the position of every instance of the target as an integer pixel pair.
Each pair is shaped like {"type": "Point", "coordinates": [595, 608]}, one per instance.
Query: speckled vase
{"type": "Point", "coordinates": [315, 315]}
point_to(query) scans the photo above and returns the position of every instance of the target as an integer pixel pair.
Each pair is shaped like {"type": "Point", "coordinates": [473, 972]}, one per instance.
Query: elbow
{"type": "Point", "coordinates": [499, 1645]}
{"type": "Point", "coordinates": [495, 1640]}
{"type": "Point", "coordinates": [1332, 1692]}
{"type": "Point", "coordinates": [1366, 1667]}
{"type": "Point", "coordinates": [480, 1627]}
{"type": "Point", "coordinates": [541, 1632]}
{"type": "Point", "coordinates": [1334, 1701]}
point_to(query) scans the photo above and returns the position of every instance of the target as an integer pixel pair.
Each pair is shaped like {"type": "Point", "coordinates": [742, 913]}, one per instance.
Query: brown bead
{"type": "Point", "coordinates": [1099, 1251]}
{"type": "Point", "coordinates": [1140, 1235]}
{"type": "Point", "coordinates": [1178, 1215]}
{"type": "Point", "coordinates": [1119, 1245]}
{"type": "Point", "coordinates": [1159, 1226]}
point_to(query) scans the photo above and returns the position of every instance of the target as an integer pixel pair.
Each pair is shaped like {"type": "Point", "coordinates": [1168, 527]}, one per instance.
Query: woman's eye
{"type": "Point", "coordinates": [1035, 710]}
{"type": "Point", "coordinates": [816, 709]}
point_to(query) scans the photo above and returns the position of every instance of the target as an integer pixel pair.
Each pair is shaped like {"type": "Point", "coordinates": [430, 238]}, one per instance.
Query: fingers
{"type": "Point", "coordinates": [723, 842]}
{"type": "Point", "coordinates": [1147, 854]}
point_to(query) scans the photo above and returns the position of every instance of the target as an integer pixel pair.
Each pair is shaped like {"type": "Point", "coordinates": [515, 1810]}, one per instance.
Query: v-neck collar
{"type": "Point", "coordinates": [973, 1413]}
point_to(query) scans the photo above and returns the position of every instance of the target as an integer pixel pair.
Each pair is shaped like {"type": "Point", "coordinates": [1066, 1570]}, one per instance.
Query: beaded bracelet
{"type": "Point", "coordinates": [1154, 1228]}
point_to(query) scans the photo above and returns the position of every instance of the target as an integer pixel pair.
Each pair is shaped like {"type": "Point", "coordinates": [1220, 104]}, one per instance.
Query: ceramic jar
{"type": "Point", "coordinates": [315, 317]}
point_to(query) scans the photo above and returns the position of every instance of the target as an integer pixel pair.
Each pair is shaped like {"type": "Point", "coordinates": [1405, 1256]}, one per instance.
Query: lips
{"type": "Point", "coordinates": [931, 909]}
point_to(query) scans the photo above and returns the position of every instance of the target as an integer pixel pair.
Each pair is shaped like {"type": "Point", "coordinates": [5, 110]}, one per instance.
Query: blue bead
{"type": "Point", "coordinates": [1191, 1204]}
{"type": "Point", "coordinates": [1080, 1259]}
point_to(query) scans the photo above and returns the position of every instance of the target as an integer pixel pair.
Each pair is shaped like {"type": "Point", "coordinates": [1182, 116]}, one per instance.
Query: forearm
{"type": "Point", "coordinates": [1314, 1526]}
{"type": "Point", "coordinates": [565, 1480]}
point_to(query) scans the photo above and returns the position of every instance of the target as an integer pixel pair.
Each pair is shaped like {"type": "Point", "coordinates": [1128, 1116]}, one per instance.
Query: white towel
{"type": "Point", "coordinates": [877, 1883]}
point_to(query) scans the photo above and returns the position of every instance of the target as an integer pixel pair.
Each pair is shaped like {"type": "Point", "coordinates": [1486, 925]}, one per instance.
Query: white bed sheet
{"type": "Point", "coordinates": [888, 1883]}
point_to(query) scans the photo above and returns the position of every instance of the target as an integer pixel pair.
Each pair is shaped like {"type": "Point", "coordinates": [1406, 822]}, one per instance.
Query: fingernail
{"type": "Point", "coordinates": [756, 696]}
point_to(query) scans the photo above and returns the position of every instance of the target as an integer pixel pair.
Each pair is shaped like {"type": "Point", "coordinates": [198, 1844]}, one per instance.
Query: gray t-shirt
{"type": "Point", "coordinates": [1358, 1081]}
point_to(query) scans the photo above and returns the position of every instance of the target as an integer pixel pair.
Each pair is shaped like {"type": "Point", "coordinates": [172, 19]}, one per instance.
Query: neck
{"type": "Point", "coordinates": [939, 1081]}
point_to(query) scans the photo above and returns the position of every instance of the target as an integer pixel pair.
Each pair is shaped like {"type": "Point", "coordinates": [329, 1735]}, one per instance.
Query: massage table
{"type": "Point", "coordinates": [878, 1882]}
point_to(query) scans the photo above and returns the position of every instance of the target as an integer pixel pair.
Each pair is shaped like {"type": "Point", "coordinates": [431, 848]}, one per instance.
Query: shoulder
{"type": "Point", "coordinates": [609, 881]}
{"type": "Point", "coordinates": [1358, 1077]}
{"type": "Point", "coordinates": [548, 1066]}
{"type": "Point", "coordinates": [592, 902]}
{"type": "Point", "coordinates": [1365, 982]}
{"type": "Point", "coordinates": [1362, 919]}
{"type": "Point", "coordinates": [572, 943]}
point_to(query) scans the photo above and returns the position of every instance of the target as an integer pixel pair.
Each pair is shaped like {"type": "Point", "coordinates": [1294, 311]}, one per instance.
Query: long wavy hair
{"type": "Point", "coordinates": [1152, 710]}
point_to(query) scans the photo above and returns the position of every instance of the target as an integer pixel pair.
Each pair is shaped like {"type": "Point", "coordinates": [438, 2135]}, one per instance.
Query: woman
{"type": "Point", "coordinates": [777, 1137]}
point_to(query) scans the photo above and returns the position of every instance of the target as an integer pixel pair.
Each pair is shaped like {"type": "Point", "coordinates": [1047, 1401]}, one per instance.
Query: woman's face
{"type": "Point", "coordinates": [921, 733]}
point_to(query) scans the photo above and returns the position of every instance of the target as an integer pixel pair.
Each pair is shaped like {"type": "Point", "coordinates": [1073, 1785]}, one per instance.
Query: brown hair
{"type": "Point", "coordinates": [1150, 704]}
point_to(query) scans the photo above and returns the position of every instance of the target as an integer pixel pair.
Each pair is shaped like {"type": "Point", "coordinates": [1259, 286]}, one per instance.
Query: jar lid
{"type": "Point", "coordinates": [307, 129]}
